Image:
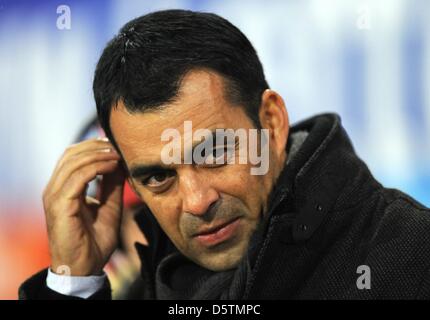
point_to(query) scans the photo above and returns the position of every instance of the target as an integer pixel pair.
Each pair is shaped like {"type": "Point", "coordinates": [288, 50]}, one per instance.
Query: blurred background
{"type": "Point", "coordinates": [369, 61]}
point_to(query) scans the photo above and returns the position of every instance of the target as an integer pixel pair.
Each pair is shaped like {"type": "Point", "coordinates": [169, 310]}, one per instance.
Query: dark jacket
{"type": "Point", "coordinates": [328, 220]}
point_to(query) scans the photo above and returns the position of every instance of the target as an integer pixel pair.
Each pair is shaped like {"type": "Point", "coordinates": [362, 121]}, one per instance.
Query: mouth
{"type": "Point", "coordinates": [220, 233]}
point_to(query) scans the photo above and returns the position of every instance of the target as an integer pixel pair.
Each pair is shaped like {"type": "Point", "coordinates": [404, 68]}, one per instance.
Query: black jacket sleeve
{"type": "Point", "coordinates": [35, 288]}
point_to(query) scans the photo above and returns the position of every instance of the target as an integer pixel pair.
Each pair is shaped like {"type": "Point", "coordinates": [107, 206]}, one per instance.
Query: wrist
{"type": "Point", "coordinates": [75, 271]}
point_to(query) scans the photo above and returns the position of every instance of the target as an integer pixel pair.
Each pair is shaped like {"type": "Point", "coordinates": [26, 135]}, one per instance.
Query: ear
{"type": "Point", "coordinates": [273, 116]}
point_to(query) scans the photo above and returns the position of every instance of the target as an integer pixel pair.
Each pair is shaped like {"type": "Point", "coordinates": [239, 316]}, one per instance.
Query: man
{"type": "Point", "coordinates": [315, 225]}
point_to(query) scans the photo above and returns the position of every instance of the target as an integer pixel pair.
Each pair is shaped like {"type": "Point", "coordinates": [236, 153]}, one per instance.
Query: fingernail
{"type": "Point", "coordinates": [103, 139]}
{"type": "Point", "coordinates": [106, 150]}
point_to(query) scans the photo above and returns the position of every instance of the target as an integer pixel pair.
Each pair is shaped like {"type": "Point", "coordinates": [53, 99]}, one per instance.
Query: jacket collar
{"type": "Point", "coordinates": [324, 170]}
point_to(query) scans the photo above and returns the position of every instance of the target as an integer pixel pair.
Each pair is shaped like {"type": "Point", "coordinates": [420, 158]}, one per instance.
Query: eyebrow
{"type": "Point", "coordinates": [143, 169]}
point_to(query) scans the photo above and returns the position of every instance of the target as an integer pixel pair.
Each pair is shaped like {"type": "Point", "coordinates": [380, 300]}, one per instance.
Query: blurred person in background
{"type": "Point", "coordinates": [306, 229]}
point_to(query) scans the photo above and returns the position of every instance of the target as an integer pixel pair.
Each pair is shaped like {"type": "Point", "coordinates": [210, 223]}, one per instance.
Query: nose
{"type": "Point", "coordinates": [198, 194]}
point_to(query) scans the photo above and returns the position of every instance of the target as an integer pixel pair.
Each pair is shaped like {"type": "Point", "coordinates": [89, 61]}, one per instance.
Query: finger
{"type": "Point", "coordinates": [92, 201]}
{"type": "Point", "coordinates": [79, 161]}
{"type": "Point", "coordinates": [76, 184]}
{"type": "Point", "coordinates": [84, 146]}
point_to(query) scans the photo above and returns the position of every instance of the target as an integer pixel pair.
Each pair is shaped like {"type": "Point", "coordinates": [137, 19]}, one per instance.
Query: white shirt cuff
{"type": "Point", "coordinates": [82, 287]}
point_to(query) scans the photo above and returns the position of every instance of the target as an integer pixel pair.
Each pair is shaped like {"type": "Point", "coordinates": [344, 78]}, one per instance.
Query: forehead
{"type": "Point", "coordinates": [200, 100]}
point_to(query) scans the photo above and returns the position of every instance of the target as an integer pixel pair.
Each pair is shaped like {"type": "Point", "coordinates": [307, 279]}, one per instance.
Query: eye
{"type": "Point", "coordinates": [159, 179]}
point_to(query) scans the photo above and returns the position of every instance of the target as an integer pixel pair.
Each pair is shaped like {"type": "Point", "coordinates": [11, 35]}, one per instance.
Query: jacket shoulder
{"type": "Point", "coordinates": [405, 216]}
{"type": "Point", "coordinates": [403, 220]}
{"type": "Point", "coordinates": [398, 249]}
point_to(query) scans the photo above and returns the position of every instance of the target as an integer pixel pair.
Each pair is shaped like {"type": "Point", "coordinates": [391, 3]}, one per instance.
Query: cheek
{"type": "Point", "coordinates": [167, 213]}
{"type": "Point", "coordinates": [236, 180]}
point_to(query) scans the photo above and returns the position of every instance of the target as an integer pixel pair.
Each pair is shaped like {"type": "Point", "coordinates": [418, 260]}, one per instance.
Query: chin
{"type": "Point", "coordinates": [221, 261]}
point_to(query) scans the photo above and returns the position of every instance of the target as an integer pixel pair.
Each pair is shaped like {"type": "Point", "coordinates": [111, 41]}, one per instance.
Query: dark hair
{"type": "Point", "coordinates": [144, 64]}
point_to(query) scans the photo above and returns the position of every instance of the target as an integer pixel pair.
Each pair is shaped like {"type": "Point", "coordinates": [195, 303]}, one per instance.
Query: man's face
{"type": "Point", "coordinates": [208, 211]}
